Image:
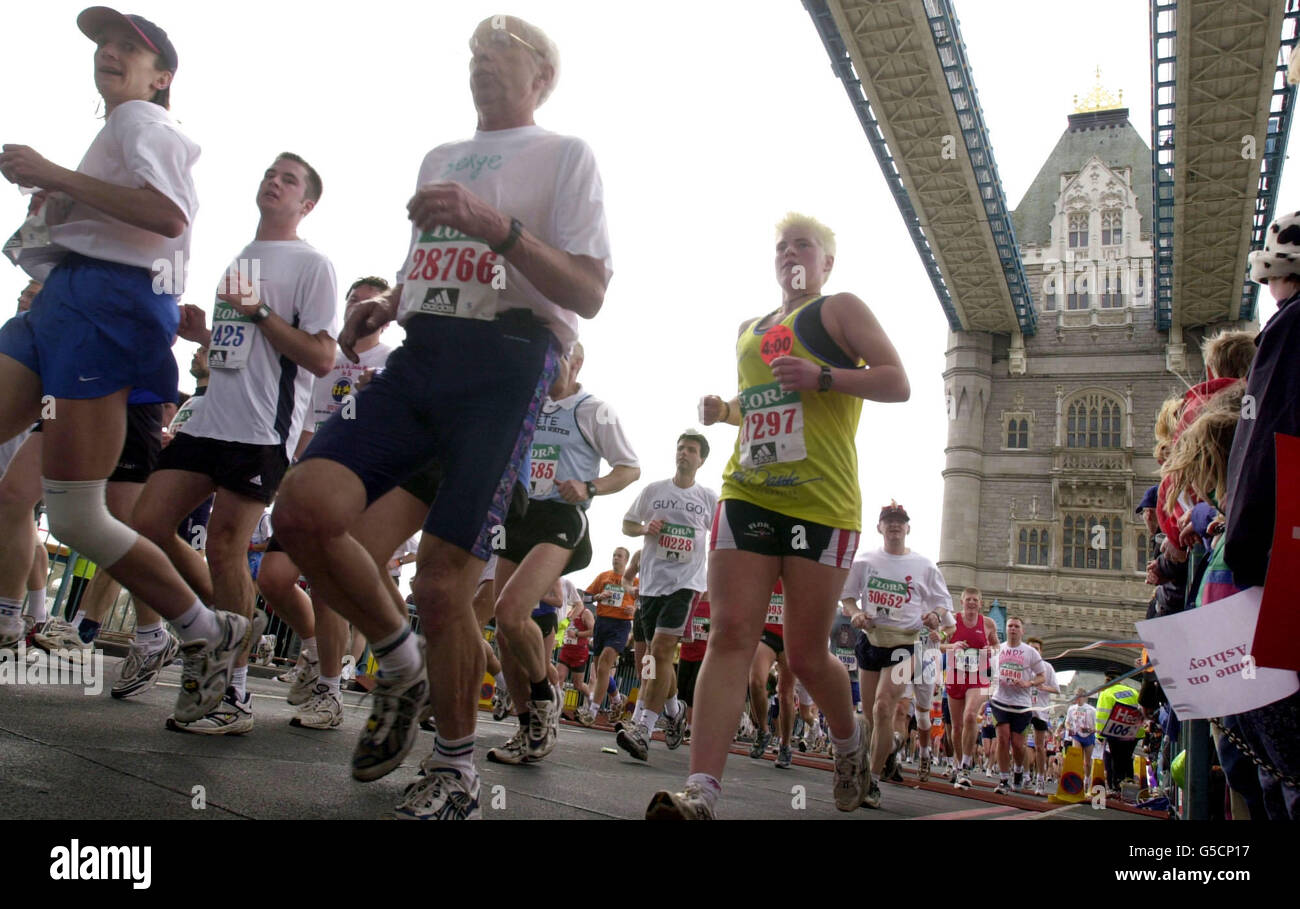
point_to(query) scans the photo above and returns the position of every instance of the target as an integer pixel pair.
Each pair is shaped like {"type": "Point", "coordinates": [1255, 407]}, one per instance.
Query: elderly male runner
{"type": "Point", "coordinates": [508, 248]}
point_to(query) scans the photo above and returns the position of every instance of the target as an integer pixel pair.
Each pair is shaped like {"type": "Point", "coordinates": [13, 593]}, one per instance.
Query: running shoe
{"type": "Point", "coordinates": [33, 628]}
{"type": "Point", "coordinates": [139, 671]}
{"type": "Point", "coordinates": [923, 772]}
{"type": "Point", "coordinates": [587, 715]}
{"type": "Point", "coordinates": [323, 710]}
{"type": "Point", "coordinates": [872, 798]}
{"type": "Point", "coordinates": [393, 724]}
{"type": "Point", "coordinates": [205, 674]}
{"type": "Point", "coordinates": [1038, 789]}
{"type": "Point", "coordinates": [761, 741]}
{"type": "Point", "coordinates": [514, 751]}
{"type": "Point", "coordinates": [617, 706]}
{"type": "Point", "coordinates": [890, 770]}
{"type": "Point", "coordinates": [304, 683]}
{"type": "Point", "coordinates": [60, 635]}
{"type": "Point", "coordinates": [232, 716]}
{"type": "Point", "coordinates": [292, 672]}
{"type": "Point", "coordinates": [783, 757]}
{"type": "Point", "coordinates": [954, 775]}
{"type": "Point", "coordinates": [963, 781]}
{"type": "Point", "coordinates": [442, 794]}
{"type": "Point", "coordinates": [687, 805]}
{"type": "Point", "coordinates": [500, 704]}
{"type": "Point", "coordinates": [1003, 787]}
{"type": "Point", "coordinates": [544, 725]}
{"type": "Point", "coordinates": [675, 729]}
{"type": "Point", "coordinates": [852, 772]}
{"type": "Point", "coordinates": [635, 740]}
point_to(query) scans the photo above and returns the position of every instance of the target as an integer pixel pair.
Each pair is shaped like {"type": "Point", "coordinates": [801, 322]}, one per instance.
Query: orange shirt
{"type": "Point", "coordinates": [613, 581]}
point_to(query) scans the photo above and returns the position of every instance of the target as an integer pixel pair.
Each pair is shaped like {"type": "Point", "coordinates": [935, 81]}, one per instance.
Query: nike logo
{"type": "Point", "coordinates": [256, 481]}
{"type": "Point", "coordinates": [91, 379]}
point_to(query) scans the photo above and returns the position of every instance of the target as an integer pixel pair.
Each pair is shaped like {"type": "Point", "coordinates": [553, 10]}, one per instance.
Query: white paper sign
{"type": "Point", "coordinates": [1202, 659]}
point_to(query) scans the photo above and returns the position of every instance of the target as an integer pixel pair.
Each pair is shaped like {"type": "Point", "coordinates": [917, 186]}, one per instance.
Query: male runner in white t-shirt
{"type": "Point", "coordinates": [273, 328]}
{"type": "Point", "coordinates": [1019, 669]}
{"type": "Point", "coordinates": [1041, 698]}
{"type": "Point", "coordinates": [893, 594]}
{"type": "Point", "coordinates": [1081, 727]}
{"type": "Point", "coordinates": [674, 516]}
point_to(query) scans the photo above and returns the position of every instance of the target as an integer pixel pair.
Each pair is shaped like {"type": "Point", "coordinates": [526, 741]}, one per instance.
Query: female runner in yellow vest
{"type": "Point", "coordinates": [790, 507]}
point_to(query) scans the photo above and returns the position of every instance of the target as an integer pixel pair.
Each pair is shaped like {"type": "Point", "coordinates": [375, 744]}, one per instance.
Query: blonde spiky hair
{"type": "Point", "coordinates": [824, 236]}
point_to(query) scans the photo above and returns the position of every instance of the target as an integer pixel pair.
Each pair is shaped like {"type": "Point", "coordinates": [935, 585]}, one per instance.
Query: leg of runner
{"type": "Point", "coordinates": [1004, 759]}
{"type": "Point", "coordinates": [36, 581]}
{"type": "Point", "coordinates": [166, 499]}
{"type": "Point", "coordinates": [759, 668]}
{"type": "Point", "coordinates": [278, 583]}
{"type": "Point", "coordinates": [890, 682]}
{"type": "Point", "coordinates": [785, 697]}
{"type": "Point", "coordinates": [970, 727]}
{"type": "Point", "coordinates": [955, 724]}
{"type": "Point", "coordinates": [20, 490]}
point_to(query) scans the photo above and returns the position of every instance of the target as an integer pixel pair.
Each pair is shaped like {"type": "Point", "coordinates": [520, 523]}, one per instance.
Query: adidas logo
{"type": "Point", "coordinates": [256, 481]}
{"type": "Point", "coordinates": [563, 536]}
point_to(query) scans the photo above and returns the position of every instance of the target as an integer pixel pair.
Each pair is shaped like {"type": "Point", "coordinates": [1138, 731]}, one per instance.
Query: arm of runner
{"type": "Point", "coordinates": [629, 575]}
{"type": "Point", "coordinates": [589, 622]}
{"type": "Point", "coordinates": [576, 283]}
{"type": "Point", "coordinates": [854, 328]}
{"type": "Point", "coordinates": [313, 352]}
{"type": "Point", "coordinates": [367, 317]}
{"type": "Point", "coordinates": [143, 207]}
{"type": "Point", "coordinates": [639, 529]}
{"type": "Point", "coordinates": [575, 491]}
{"type": "Point", "coordinates": [715, 410]}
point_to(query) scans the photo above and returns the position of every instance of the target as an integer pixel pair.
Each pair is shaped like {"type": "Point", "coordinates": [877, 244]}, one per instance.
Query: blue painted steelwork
{"type": "Point", "coordinates": [842, 66]}
{"type": "Point", "coordinates": [952, 54]}
{"type": "Point", "coordinates": [1270, 172]}
{"type": "Point", "coordinates": [1163, 77]}
{"type": "Point", "coordinates": [946, 33]}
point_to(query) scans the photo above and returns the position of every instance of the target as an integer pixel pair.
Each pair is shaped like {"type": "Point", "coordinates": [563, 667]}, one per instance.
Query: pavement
{"type": "Point", "coordinates": [67, 754]}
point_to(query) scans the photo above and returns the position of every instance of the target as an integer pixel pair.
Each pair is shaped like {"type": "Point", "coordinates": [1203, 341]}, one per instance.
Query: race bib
{"type": "Point", "coordinates": [700, 628]}
{"type": "Point", "coordinates": [232, 338]}
{"type": "Point", "coordinates": [968, 660]}
{"type": "Point", "coordinates": [848, 657]}
{"type": "Point", "coordinates": [546, 459]}
{"type": "Point", "coordinates": [676, 542]}
{"type": "Point", "coordinates": [451, 274]}
{"type": "Point", "coordinates": [571, 633]}
{"type": "Point", "coordinates": [1123, 722]}
{"type": "Point", "coordinates": [771, 426]}
{"type": "Point", "coordinates": [182, 417]}
{"type": "Point", "coordinates": [886, 595]}
{"type": "Point", "coordinates": [616, 592]}
{"type": "Point", "coordinates": [776, 609]}
{"type": "Point", "coordinates": [1009, 671]}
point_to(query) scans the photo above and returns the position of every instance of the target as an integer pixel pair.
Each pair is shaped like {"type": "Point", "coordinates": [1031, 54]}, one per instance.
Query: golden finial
{"type": "Point", "coordinates": [1098, 98]}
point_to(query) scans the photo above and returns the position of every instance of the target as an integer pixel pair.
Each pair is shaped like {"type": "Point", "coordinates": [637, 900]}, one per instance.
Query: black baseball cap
{"type": "Point", "coordinates": [92, 19]}
{"type": "Point", "coordinates": [893, 510]}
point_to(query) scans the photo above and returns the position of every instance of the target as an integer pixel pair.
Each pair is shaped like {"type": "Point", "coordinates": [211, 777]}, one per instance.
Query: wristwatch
{"type": "Point", "coordinates": [824, 380]}
{"type": "Point", "coordinates": [260, 313]}
{"type": "Point", "coordinates": [591, 490]}
{"type": "Point", "coordinates": [516, 228]}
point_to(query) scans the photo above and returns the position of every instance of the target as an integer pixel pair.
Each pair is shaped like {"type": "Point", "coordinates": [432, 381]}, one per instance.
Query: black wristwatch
{"type": "Point", "coordinates": [591, 490]}
{"type": "Point", "coordinates": [516, 228]}
{"type": "Point", "coordinates": [261, 313]}
{"type": "Point", "coordinates": [824, 380]}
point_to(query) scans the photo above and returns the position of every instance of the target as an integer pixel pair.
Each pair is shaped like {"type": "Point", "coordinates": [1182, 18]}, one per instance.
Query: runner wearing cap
{"type": "Point", "coordinates": [103, 326]}
{"type": "Point", "coordinates": [502, 263]}
{"type": "Point", "coordinates": [673, 516]}
{"type": "Point", "coordinates": [896, 597]}
{"type": "Point", "coordinates": [791, 507]}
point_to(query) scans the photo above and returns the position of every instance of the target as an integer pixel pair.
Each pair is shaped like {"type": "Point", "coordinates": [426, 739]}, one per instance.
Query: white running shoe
{"type": "Point", "coordinates": [304, 683]}
{"type": "Point", "coordinates": [61, 635]}
{"type": "Point", "coordinates": [292, 672]}
{"type": "Point", "coordinates": [514, 751]}
{"type": "Point", "coordinates": [205, 675]}
{"type": "Point", "coordinates": [323, 710]}
{"type": "Point", "coordinates": [230, 717]}
{"type": "Point", "coordinates": [852, 773]}
{"type": "Point", "coordinates": [139, 671]}
{"type": "Point", "coordinates": [543, 725]}
{"type": "Point", "coordinates": [442, 794]}
{"type": "Point", "coordinates": [687, 805]}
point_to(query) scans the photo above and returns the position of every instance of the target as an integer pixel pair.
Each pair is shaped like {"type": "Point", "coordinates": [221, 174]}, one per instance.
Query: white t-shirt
{"type": "Point", "coordinates": [1020, 662]}
{"type": "Point", "coordinates": [185, 411]}
{"type": "Point", "coordinates": [896, 591]}
{"type": "Point", "coordinates": [548, 181]}
{"type": "Point", "coordinates": [264, 401]}
{"type": "Point", "coordinates": [331, 390]}
{"type": "Point", "coordinates": [571, 593]}
{"type": "Point", "coordinates": [139, 145]}
{"type": "Point", "coordinates": [1041, 698]}
{"type": "Point", "coordinates": [1081, 719]}
{"type": "Point", "coordinates": [677, 558]}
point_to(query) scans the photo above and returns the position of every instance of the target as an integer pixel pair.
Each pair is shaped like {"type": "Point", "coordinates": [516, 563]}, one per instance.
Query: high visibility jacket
{"type": "Point", "coordinates": [1122, 701]}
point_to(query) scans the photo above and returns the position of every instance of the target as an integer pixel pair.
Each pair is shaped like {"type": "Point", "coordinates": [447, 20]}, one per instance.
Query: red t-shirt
{"type": "Point", "coordinates": [697, 628]}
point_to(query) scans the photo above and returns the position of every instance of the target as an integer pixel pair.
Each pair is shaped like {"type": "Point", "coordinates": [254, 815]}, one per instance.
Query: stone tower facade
{"type": "Point", "coordinates": [1050, 437]}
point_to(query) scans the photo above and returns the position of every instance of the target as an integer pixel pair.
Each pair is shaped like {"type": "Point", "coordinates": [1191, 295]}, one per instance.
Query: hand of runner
{"type": "Point", "coordinates": [452, 205]}
{"type": "Point", "coordinates": [364, 379]}
{"type": "Point", "coordinates": [26, 167]}
{"type": "Point", "coordinates": [572, 491]}
{"type": "Point", "coordinates": [238, 291]}
{"type": "Point", "coordinates": [193, 325]}
{"type": "Point", "coordinates": [38, 199]}
{"type": "Point", "coordinates": [796, 373]}
{"type": "Point", "coordinates": [652, 529]}
{"type": "Point", "coordinates": [366, 318]}
{"type": "Point", "coordinates": [711, 408]}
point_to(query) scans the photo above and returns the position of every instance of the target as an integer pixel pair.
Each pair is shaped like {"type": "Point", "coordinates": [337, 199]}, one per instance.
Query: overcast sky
{"type": "Point", "coordinates": [709, 120]}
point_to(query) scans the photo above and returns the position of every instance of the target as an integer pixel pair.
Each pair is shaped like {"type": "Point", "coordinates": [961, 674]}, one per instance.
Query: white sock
{"type": "Point", "coordinates": [151, 637]}
{"type": "Point", "coordinates": [197, 623]}
{"type": "Point", "coordinates": [36, 604]}
{"type": "Point", "coordinates": [925, 752]}
{"type": "Point", "coordinates": [849, 745]}
{"type": "Point", "coordinates": [499, 680]}
{"type": "Point", "coordinates": [648, 720]}
{"type": "Point", "coordinates": [309, 650]}
{"type": "Point", "coordinates": [331, 683]}
{"type": "Point", "coordinates": [672, 707]}
{"type": "Point", "coordinates": [710, 788]}
{"type": "Point", "coordinates": [239, 681]}
{"type": "Point", "coordinates": [402, 660]}
{"type": "Point", "coordinates": [636, 714]}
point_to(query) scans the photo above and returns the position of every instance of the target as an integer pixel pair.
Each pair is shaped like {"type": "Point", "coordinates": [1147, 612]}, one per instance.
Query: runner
{"type": "Point", "coordinates": [673, 515]}
{"type": "Point", "coordinates": [771, 649]}
{"type": "Point", "coordinates": [273, 329]}
{"type": "Point", "coordinates": [1081, 722]}
{"type": "Point", "coordinates": [615, 607]}
{"type": "Point", "coordinates": [1019, 669]}
{"type": "Point", "coordinates": [988, 740]}
{"type": "Point", "coordinates": [576, 649]}
{"type": "Point", "coordinates": [1120, 726]}
{"type": "Point", "coordinates": [791, 507]}
{"type": "Point", "coordinates": [575, 432]}
{"type": "Point", "coordinates": [695, 643]}
{"type": "Point", "coordinates": [1040, 719]}
{"type": "Point", "coordinates": [535, 223]}
{"type": "Point", "coordinates": [902, 594]}
{"type": "Point", "coordinates": [100, 329]}
{"type": "Point", "coordinates": [966, 679]}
